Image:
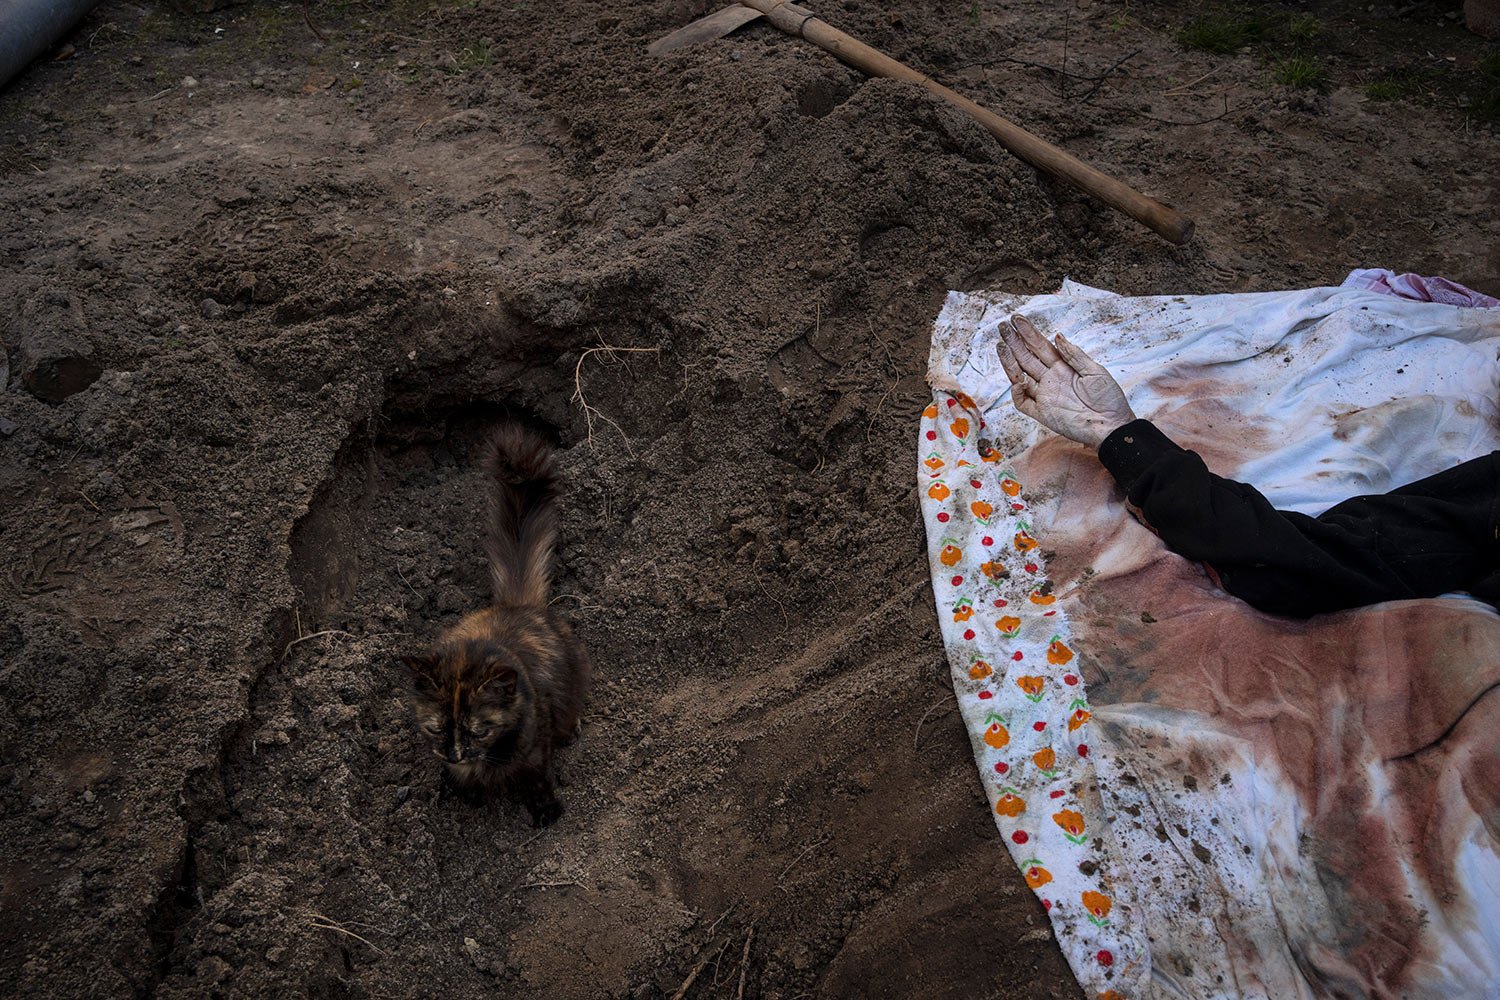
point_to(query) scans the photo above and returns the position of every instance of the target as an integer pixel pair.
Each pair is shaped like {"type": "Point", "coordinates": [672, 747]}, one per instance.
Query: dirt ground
{"type": "Point", "coordinates": [312, 253]}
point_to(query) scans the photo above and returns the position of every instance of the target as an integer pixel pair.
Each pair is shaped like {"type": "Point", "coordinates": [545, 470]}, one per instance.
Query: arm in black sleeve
{"type": "Point", "coordinates": [1406, 544]}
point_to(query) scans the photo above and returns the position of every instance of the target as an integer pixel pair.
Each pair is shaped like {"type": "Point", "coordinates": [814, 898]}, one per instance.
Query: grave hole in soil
{"type": "Point", "coordinates": [402, 506]}
{"type": "Point", "coordinates": [386, 555]}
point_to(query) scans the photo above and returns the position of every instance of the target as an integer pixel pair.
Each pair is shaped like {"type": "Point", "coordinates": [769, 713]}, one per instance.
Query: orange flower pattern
{"type": "Point", "coordinates": [1045, 760]}
{"type": "Point", "coordinates": [1010, 804]}
{"type": "Point", "coordinates": [1098, 905]}
{"type": "Point", "coordinates": [1072, 824]}
{"type": "Point", "coordinates": [1032, 686]}
{"type": "Point", "coordinates": [1036, 875]}
{"type": "Point", "coordinates": [1020, 688]}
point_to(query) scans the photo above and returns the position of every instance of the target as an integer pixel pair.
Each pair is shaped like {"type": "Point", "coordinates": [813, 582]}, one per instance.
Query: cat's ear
{"type": "Point", "coordinates": [422, 668]}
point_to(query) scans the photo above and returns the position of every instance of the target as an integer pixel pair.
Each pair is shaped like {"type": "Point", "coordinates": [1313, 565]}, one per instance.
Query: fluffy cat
{"type": "Point", "coordinates": [502, 689]}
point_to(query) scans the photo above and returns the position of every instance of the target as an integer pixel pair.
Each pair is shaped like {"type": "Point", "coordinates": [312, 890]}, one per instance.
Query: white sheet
{"type": "Point", "coordinates": [1314, 396]}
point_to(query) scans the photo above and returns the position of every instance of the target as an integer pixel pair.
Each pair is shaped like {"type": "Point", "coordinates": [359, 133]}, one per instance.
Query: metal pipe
{"type": "Point", "coordinates": [27, 27]}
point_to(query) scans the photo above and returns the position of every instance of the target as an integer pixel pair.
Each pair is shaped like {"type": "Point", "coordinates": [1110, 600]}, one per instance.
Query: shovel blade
{"type": "Point", "coordinates": [705, 29]}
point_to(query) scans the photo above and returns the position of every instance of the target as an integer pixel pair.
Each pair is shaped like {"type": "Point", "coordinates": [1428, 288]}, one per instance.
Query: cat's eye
{"type": "Point", "coordinates": [480, 732]}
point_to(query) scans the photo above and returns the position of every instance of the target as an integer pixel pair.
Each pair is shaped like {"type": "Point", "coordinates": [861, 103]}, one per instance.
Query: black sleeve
{"type": "Point", "coordinates": [1422, 540]}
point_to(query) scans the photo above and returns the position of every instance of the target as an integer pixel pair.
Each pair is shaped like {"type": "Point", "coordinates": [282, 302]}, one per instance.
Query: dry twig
{"type": "Point", "coordinates": [327, 923]}
{"type": "Point", "coordinates": [1191, 84]}
{"type": "Point", "coordinates": [739, 994]}
{"type": "Point", "coordinates": [917, 736]}
{"type": "Point", "coordinates": [1106, 74]}
{"type": "Point", "coordinates": [1097, 79]}
{"type": "Point", "coordinates": [692, 977]}
{"type": "Point", "coordinates": [308, 18]}
{"type": "Point", "coordinates": [798, 859]}
{"type": "Point", "coordinates": [870, 427]}
{"type": "Point", "coordinates": [314, 635]}
{"type": "Point", "coordinates": [1168, 121]}
{"type": "Point", "coordinates": [720, 918]}
{"type": "Point", "coordinates": [582, 604]}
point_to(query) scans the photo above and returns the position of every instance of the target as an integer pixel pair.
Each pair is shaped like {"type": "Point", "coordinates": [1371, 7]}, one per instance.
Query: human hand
{"type": "Point", "coordinates": [1060, 386]}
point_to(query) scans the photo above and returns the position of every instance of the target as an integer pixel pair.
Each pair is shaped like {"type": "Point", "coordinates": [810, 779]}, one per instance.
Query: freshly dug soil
{"type": "Point", "coordinates": [271, 272]}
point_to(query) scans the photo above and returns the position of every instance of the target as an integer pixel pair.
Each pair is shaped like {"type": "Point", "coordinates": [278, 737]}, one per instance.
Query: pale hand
{"type": "Point", "coordinates": [1060, 386]}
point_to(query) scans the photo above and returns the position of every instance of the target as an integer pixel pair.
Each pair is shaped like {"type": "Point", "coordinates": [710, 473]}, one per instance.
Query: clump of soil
{"type": "Point", "coordinates": [292, 267]}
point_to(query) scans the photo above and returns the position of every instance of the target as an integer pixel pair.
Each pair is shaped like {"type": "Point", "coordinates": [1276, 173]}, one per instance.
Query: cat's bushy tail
{"type": "Point", "coordinates": [520, 469]}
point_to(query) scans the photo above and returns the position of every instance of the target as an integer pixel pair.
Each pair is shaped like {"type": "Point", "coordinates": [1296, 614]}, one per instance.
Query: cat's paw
{"type": "Point", "coordinates": [545, 812]}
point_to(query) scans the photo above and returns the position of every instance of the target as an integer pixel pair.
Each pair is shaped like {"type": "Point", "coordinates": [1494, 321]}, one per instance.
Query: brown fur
{"type": "Point", "coordinates": [502, 689]}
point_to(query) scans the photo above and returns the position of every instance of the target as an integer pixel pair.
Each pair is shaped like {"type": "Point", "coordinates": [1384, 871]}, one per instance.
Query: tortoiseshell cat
{"type": "Point", "coordinates": [502, 689]}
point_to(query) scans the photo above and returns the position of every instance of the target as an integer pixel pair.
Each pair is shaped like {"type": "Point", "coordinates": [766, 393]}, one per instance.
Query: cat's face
{"type": "Point", "coordinates": [466, 707]}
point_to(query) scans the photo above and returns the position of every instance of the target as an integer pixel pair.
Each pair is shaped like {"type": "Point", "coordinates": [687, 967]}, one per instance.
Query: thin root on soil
{"type": "Point", "coordinates": [327, 923]}
{"type": "Point", "coordinates": [589, 413]}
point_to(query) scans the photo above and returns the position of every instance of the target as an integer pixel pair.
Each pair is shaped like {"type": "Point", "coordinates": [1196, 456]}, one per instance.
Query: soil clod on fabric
{"type": "Point", "coordinates": [273, 272]}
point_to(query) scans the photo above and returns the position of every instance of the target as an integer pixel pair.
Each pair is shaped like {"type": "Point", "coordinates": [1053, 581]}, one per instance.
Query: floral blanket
{"type": "Point", "coordinates": [1210, 801]}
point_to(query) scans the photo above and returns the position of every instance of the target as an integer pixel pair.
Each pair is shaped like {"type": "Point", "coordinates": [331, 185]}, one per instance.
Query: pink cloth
{"type": "Point", "coordinates": [1417, 288]}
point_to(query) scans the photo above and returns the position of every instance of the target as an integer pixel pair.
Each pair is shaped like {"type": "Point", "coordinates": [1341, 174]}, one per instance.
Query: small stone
{"type": "Point", "coordinates": [257, 82]}
{"type": "Point", "coordinates": [189, 83]}
{"type": "Point", "coordinates": [210, 309]}
{"type": "Point", "coordinates": [7, 427]}
{"type": "Point", "coordinates": [274, 955]}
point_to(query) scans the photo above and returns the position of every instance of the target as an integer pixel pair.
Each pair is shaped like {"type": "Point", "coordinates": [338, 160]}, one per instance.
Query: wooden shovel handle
{"type": "Point", "coordinates": [1167, 222]}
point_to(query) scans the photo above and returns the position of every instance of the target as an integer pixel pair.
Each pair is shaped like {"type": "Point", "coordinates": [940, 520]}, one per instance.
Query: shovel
{"type": "Point", "coordinates": [1166, 222]}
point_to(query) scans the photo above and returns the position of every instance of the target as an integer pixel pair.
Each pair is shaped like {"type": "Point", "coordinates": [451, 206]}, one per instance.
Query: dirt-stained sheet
{"type": "Point", "coordinates": [1248, 806]}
